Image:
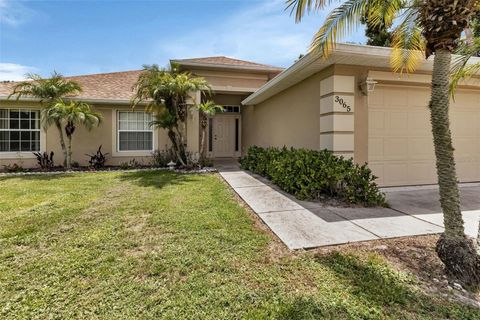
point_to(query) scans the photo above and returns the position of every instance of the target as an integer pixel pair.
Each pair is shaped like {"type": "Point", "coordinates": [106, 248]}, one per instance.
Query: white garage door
{"type": "Point", "coordinates": [400, 146]}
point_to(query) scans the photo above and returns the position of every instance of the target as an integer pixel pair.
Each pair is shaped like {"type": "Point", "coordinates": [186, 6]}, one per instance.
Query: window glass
{"type": "Point", "coordinates": [19, 130]}
{"type": "Point", "coordinates": [134, 131]}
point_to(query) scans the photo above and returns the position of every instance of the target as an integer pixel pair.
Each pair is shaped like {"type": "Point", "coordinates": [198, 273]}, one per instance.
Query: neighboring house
{"type": "Point", "coordinates": [350, 103]}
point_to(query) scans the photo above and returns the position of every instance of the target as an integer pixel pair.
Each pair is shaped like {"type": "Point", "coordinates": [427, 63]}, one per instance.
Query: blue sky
{"type": "Point", "coordinates": [82, 37]}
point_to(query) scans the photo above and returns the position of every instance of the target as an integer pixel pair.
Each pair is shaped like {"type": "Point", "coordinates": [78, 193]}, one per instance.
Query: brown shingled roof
{"type": "Point", "coordinates": [117, 86]}
{"type": "Point", "coordinates": [226, 61]}
{"type": "Point", "coordinates": [101, 86]}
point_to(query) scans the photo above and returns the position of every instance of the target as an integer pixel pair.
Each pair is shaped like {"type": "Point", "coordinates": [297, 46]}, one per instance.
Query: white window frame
{"type": "Point", "coordinates": [116, 143]}
{"type": "Point", "coordinates": [24, 154]}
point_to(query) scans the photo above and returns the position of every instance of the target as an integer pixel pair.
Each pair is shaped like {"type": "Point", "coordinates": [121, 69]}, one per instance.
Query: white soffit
{"type": "Point", "coordinates": [313, 62]}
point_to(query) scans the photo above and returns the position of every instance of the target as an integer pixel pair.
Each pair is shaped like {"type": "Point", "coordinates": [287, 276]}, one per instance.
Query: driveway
{"type": "Point", "coordinates": [423, 203]}
{"type": "Point", "coordinates": [303, 224]}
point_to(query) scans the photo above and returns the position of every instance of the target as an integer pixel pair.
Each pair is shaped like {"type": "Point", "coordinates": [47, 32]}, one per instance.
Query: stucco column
{"type": "Point", "coordinates": [337, 107]}
{"type": "Point", "coordinates": [193, 124]}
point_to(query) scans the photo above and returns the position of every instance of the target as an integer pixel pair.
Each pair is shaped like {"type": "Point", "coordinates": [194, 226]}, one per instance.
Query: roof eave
{"type": "Point", "coordinates": [380, 55]}
{"type": "Point", "coordinates": [227, 66]}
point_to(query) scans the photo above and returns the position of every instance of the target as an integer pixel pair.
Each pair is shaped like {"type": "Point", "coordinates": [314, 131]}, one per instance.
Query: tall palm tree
{"type": "Point", "coordinates": [425, 28]}
{"type": "Point", "coordinates": [206, 109]}
{"type": "Point", "coordinates": [49, 91]}
{"type": "Point", "coordinates": [73, 114]}
{"type": "Point", "coordinates": [166, 93]}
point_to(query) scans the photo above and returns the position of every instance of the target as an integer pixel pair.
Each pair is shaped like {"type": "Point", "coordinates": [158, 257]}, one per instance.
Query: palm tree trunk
{"type": "Point", "coordinates": [69, 152]}
{"type": "Point", "coordinates": [62, 142]}
{"type": "Point", "coordinates": [457, 252]}
{"type": "Point", "coordinates": [202, 145]}
{"type": "Point", "coordinates": [173, 138]}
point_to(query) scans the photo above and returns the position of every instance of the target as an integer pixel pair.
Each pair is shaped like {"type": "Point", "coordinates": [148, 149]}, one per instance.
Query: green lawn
{"type": "Point", "coordinates": [165, 245]}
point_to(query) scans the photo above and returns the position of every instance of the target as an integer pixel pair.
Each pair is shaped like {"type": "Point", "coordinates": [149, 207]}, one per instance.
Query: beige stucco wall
{"type": "Point", "coordinates": [290, 118]}
{"type": "Point", "coordinates": [228, 80]}
{"type": "Point", "coordinates": [85, 141]}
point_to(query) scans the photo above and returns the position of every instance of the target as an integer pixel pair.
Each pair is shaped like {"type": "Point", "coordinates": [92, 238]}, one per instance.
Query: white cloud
{"type": "Point", "coordinates": [14, 13]}
{"type": "Point", "coordinates": [14, 72]}
{"type": "Point", "coordinates": [263, 33]}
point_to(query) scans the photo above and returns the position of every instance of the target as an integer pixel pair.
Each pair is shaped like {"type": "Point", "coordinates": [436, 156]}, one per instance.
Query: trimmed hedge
{"type": "Point", "coordinates": [308, 174]}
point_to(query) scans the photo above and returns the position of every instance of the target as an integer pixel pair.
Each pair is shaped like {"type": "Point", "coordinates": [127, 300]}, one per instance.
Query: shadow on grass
{"type": "Point", "coordinates": [37, 177]}
{"type": "Point", "coordinates": [372, 290]}
{"type": "Point", "coordinates": [372, 280]}
{"type": "Point", "coordinates": [157, 179]}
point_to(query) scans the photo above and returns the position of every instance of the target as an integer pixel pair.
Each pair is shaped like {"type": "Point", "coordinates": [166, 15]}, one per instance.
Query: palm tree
{"type": "Point", "coordinates": [49, 91]}
{"type": "Point", "coordinates": [206, 109]}
{"type": "Point", "coordinates": [166, 93]}
{"type": "Point", "coordinates": [73, 114]}
{"type": "Point", "coordinates": [425, 28]}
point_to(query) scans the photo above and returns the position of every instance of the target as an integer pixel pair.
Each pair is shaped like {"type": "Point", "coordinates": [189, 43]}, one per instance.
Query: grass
{"type": "Point", "coordinates": [172, 246]}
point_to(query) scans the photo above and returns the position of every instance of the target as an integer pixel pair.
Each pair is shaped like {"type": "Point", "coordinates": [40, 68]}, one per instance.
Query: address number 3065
{"type": "Point", "coordinates": [343, 103]}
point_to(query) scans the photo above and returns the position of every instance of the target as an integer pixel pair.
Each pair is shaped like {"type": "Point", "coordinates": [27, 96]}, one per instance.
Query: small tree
{"type": "Point", "coordinates": [75, 113]}
{"type": "Point", "coordinates": [49, 92]}
{"type": "Point", "coordinates": [166, 93]}
{"type": "Point", "coordinates": [206, 109]}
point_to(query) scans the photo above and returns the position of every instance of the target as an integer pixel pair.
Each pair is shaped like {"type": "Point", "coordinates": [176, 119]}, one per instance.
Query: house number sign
{"type": "Point", "coordinates": [343, 103]}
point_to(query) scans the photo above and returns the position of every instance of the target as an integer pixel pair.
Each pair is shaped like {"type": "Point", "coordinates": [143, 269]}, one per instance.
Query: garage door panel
{"type": "Point", "coordinates": [377, 124]}
{"type": "Point", "coordinates": [418, 123]}
{"type": "Point", "coordinates": [377, 98]}
{"type": "Point", "coordinates": [400, 140]}
{"type": "Point", "coordinates": [468, 99]}
{"type": "Point", "coordinates": [396, 173]}
{"type": "Point", "coordinates": [464, 123]}
{"type": "Point", "coordinates": [465, 148]}
{"type": "Point", "coordinates": [417, 97]}
{"type": "Point", "coordinates": [467, 171]}
{"type": "Point", "coordinates": [396, 122]}
{"type": "Point", "coordinates": [395, 148]}
{"type": "Point", "coordinates": [421, 172]}
{"type": "Point", "coordinates": [420, 148]}
{"type": "Point", "coordinates": [376, 151]}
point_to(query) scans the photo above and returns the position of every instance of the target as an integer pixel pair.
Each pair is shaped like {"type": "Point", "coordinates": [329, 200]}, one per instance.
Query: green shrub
{"type": "Point", "coordinates": [308, 174]}
{"type": "Point", "coordinates": [11, 168]}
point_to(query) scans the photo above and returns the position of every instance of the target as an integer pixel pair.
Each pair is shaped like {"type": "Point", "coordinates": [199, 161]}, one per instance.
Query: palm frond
{"type": "Point", "coordinates": [209, 108]}
{"type": "Point", "coordinates": [340, 22]}
{"type": "Point", "coordinates": [53, 88]}
{"type": "Point", "coordinates": [461, 69]}
{"type": "Point", "coordinates": [408, 44]}
{"type": "Point", "coordinates": [303, 7]}
{"type": "Point", "coordinates": [384, 12]}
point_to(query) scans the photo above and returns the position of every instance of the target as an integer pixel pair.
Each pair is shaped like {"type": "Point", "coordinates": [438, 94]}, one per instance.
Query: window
{"type": "Point", "coordinates": [210, 134]}
{"type": "Point", "coordinates": [231, 109]}
{"type": "Point", "coordinates": [237, 134]}
{"type": "Point", "coordinates": [19, 130]}
{"type": "Point", "coordinates": [134, 131]}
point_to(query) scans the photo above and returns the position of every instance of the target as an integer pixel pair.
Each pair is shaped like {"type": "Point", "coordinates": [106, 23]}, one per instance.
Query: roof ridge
{"type": "Point", "coordinates": [205, 60]}
{"type": "Point", "coordinates": [103, 73]}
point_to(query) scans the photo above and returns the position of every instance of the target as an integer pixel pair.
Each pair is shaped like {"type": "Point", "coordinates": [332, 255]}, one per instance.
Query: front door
{"type": "Point", "coordinates": [225, 136]}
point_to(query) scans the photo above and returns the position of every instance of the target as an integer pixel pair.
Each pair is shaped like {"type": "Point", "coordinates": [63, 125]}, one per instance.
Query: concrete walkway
{"type": "Point", "coordinates": [303, 224]}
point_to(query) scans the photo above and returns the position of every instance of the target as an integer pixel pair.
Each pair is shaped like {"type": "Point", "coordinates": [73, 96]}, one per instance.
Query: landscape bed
{"type": "Point", "coordinates": [158, 244]}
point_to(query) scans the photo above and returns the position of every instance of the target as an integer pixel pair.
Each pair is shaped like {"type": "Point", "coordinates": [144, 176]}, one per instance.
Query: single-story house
{"type": "Point", "coordinates": [350, 103]}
